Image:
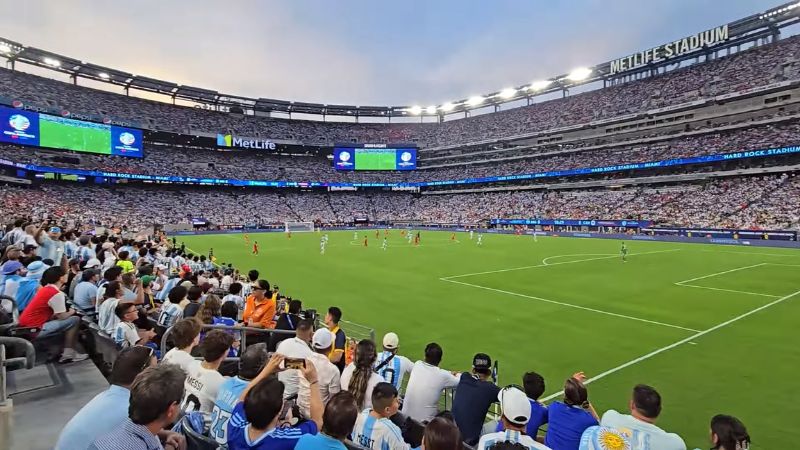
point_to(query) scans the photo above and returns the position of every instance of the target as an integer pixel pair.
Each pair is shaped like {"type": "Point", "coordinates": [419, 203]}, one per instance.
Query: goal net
{"type": "Point", "coordinates": [298, 227]}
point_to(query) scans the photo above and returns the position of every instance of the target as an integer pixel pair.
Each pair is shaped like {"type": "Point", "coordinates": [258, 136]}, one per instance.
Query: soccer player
{"type": "Point", "coordinates": [624, 252]}
{"type": "Point", "coordinates": [366, 240]}
{"type": "Point", "coordinates": [210, 253]}
{"type": "Point", "coordinates": [480, 239]}
{"type": "Point", "coordinates": [355, 235]}
{"type": "Point", "coordinates": [410, 237]}
{"type": "Point", "coordinates": [322, 243]}
{"type": "Point", "coordinates": [453, 237]}
{"type": "Point", "coordinates": [246, 238]}
{"type": "Point", "coordinates": [471, 232]}
{"type": "Point", "coordinates": [255, 247]}
{"type": "Point", "coordinates": [385, 244]}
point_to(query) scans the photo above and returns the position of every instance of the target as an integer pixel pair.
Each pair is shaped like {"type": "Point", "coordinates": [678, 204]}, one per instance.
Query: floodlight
{"type": "Point", "coordinates": [476, 100]}
{"type": "Point", "coordinates": [431, 109]}
{"type": "Point", "coordinates": [579, 74]}
{"type": "Point", "coordinates": [416, 109]}
{"type": "Point", "coordinates": [508, 92]}
{"type": "Point", "coordinates": [448, 107]}
{"type": "Point", "coordinates": [5, 48]}
{"type": "Point", "coordinates": [103, 75]}
{"type": "Point", "coordinates": [52, 62]}
{"type": "Point", "coordinates": [539, 85]}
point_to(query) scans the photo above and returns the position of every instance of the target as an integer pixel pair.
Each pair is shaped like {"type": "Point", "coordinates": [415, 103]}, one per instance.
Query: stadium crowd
{"type": "Point", "coordinates": [312, 388]}
{"type": "Point", "coordinates": [755, 202]}
{"type": "Point", "coordinates": [754, 67]}
{"type": "Point", "coordinates": [257, 166]}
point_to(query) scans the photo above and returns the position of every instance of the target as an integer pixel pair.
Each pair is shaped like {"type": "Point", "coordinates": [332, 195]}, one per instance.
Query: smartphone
{"type": "Point", "coordinates": [294, 363]}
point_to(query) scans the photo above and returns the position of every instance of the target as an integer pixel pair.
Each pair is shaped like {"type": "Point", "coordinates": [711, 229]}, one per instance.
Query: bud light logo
{"type": "Point", "coordinates": [19, 122]}
{"type": "Point", "coordinates": [127, 138]}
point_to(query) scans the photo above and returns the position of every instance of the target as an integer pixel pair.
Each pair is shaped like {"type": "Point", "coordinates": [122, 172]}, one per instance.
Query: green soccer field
{"type": "Point", "coordinates": [713, 328]}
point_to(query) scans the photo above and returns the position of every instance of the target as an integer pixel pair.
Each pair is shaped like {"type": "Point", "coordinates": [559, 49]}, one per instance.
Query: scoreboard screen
{"type": "Point", "coordinates": [368, 157]}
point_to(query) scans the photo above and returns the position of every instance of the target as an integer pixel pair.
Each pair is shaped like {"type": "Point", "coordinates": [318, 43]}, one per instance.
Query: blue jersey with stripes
{"type": "Point", "coordinates": [227, 398]}
{"type": "Point", "coordinates": [395, 370]}
{"type": "Point", "coordinates": [283, 438]}
{"type": "Point", "coordinates": [377, 433]}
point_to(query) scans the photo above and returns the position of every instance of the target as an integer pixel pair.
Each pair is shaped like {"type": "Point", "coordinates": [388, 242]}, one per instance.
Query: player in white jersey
{"type": "Point", "coordinates": [355, 235]}
{"type": "Point", "coordinates": [391, 366]}
{"type": "Point", "coordinates": [322, 243]}
{"type": "Point", "coordinates": [471, 232]}
{"type": "Point", "coordinates": [534, 236]}
{"type": "Point", "coordinates": [480, 239]}
{"type": "Point", "coordinates": [374, 429]}
{"type": "Point", "coordinates": [385, 244]}
{"type": "Point", "coordinates": [410, 236]}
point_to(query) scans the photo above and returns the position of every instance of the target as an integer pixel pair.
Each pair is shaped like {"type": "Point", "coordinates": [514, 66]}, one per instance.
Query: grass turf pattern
{"type": "Point", "coordinates": [713, 328]}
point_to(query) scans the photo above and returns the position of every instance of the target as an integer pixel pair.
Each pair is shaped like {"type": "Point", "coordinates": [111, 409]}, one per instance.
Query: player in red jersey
{"type": "Point", "coordinates": [255, 247]}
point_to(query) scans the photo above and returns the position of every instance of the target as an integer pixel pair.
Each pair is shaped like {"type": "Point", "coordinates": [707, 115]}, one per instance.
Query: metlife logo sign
{"type": "Point", "coordinates": [227, 140]}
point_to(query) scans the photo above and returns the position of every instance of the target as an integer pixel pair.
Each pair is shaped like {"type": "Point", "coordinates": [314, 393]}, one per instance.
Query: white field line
{"type": "Point", "coordinates": [720, 273]}
{"type": "Point", "coordinates": [554, 264]}
{"type": "Point", "coordinates": [685, 283]}
{"type": "Point", "coordinates": [780, 255]}
{"type": "Point", "coordinates": [786, 265]}
{"type": "Point", "coordinates": [570, 305]}
{"type": "Point", "coordinates": [545, 263]}
{"type": "Point", "coordinates": [678, 343]}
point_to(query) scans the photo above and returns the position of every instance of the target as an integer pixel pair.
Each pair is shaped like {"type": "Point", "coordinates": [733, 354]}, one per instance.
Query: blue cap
{"type": "Point", "coordinates": [11, 266]}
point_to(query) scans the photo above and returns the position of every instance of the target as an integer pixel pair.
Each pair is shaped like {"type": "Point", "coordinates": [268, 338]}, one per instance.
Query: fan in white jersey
{"type": "Point", "coordinates": [391, 366]}
{"type": "Point", "coordinates": [203, 380]}
{"type": "Point", "coordinates": [374, 429]}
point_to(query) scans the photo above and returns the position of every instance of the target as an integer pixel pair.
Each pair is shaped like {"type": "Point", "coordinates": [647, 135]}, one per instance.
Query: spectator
{"type": "Point", "coordinates": [729, 433]}
{"type": "Point", "coordinates": [112, 296]}
{"type": "Point", "coordinates": [373, 429]}
{"type": "Point", "coordinates": [261, 418]}
{"type": "Point", "coordinates": [568, 420]}
{"type": "Point", "coordinates": [337, 424]}
{"type": "Point", "coordinates": [154, 404]}
{"type": "Point", "coordinates": [250, 364]}
{"type": "Point", "coordinates": [186, 336]}
{"type": "Point", "coordinates": [86, 291]}
{"type": "Point", "coordinates": [233, 296]}
{"type": "Point", "coordinates": [50, 245]}
{"type": "Point", "coordinates": [515, 410]}
{"type": "Point", "coordinates": [645, 407]}
{"type": "Point", "coordinates": [475, 393]}
{"type": "Point", "coordinates": [191, 304]}
{"type": "Point", "coordinates": [358, 377]}
{"type": "Point", "coordinates": [391, 366]}
{"type": "Point", "coordinates": [108, 409]}
{"type": "Point", "coordinates": [327, 374]}
{"type": "Point", "coordinates": [126, 335]}
{"type": "Point", "coordinates": [73, 277]}
{"type": "Point", "coordinates": [533, 383]}
{"type": "Point", "coordinates": [110, 275]}
{"type": "Point", "coordinates": [425, 385]}
{"type": "Point", "coordinates": [124, 262]}
{"type": "Point", "coordinates": [13, 273]}
{"type": "Point", "coordinates": [171, 311]}
{"type": "Point", "coordinates": [287, 321]}
{"type": "Point", "coordinates": [28, 286]}
{"type": "Point", "coordinates": [230, 311]}
{"type": "Point", "coordinates": [259, 312]}
{"type": "Point", "coordinates": [441, 434]}
{"type": "Point", "coordinates": [48, 312]}
{"type": "Point", "coordinates": [204, 380]}
{"type": "Point", "coordinates": [339, 339]}
{"type": "Point", "coordinates": [296, 347]}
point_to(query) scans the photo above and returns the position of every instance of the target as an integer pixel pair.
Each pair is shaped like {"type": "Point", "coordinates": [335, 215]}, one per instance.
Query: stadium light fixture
{"type": "Point", "coordinates": [579, 74]}
{"type": "Point", "coordinates": [475, 100]}
{"type": "Point", "coordinates": [447, 107]}
{"type": "Point", "coordinates": [416, 110]}
{"type": "Point", "coordinates": [103, 75]}
{"type": "Point", "coordinates": [507, 93]}
{"type": "Point", "coordinates": [539, 85]}
{"type": "Point", "coordinates": [431, 109]}
{"type": "Point", "coordinates": [52, 62]}
{"type": "Point", "coordinates": [5, 48]}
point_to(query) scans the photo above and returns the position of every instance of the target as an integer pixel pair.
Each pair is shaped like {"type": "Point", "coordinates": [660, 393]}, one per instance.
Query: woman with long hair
{"type": "Point", "coordinates": [358, 378]}
{"type": "Point", "coordinates": [441, 434]}
{"type": "Point", "coordinates": [570, 418]}
{"type": "Point", "coordinates": [729, 433]}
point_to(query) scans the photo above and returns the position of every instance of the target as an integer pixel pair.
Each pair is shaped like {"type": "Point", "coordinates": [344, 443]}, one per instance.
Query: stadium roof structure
{"type": "Point", "coordinates": [763, 25]}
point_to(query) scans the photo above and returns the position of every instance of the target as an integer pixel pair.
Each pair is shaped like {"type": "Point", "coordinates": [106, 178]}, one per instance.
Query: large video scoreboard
{"type": "Point", "coordinates": [375, 157]}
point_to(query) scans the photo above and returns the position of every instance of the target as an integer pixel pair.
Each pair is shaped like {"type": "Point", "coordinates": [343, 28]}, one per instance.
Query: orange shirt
{"type": "Point", "coordinates": [263, 313]}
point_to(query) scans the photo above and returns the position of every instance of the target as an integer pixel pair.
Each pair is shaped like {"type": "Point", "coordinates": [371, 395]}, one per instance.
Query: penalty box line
{"type": "Point", "coordinates": [554, 264]}
{"type": "Point", "coordinates": [685, 283]}
{"type": "Point", "coordinates": [647, 356]}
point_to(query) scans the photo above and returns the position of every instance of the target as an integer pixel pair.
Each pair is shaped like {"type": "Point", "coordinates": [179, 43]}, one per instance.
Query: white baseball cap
{"type": "Point", "coordinates": [93, 263]}
{"type": "Point", "coordinates": [514, 405]}
{"type": "Point", "coordinates": [322, 339]}
{"type": "Point", "coordinates": [391, 341]}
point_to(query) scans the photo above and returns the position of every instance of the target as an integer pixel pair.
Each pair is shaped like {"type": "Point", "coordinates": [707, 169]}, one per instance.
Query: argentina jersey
{"type": "Point", "coordinates": [395, 369]}
{"type": "Point", "coordinates": [227, 398]}
{"type": "Point", "coordinates": [170, 313]}
{"type": "Point", "coordinates": [168, 285]}
{"type": "Point", "coordinates": [377, 434]}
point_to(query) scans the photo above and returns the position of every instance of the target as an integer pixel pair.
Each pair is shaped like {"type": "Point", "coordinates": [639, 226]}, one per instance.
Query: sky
{"type": "Point", "coordinates": [358, 52]}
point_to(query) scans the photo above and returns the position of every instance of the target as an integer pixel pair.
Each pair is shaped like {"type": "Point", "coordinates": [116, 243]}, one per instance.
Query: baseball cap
{"type": "Point", "coordinates": [161, 267]}
{"type": "Point", "coordinates": [55, 229]}
{"type": "Point", "coordinates": [93, 263]}
{"type": "Point", "coordinates": [515, 405]}
{"type": "Point", "coordinates": [147, 279]}
{"type": "Point", "coordinates": [601, 438]}
{"type": "Point", "coordinates": [482, 362]}
{"type": "Point", "coordinates": [391, 341]}
{"type": "Point", "coordinates": [322, 339]}
{"type": "Point", "coordinates": [36, 269]}
{"type": "Point", "coordinates": [11, 266]}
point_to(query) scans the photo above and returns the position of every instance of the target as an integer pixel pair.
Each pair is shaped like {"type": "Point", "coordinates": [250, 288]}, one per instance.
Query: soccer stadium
{"type": "Point", "coordinates": [605, 258]}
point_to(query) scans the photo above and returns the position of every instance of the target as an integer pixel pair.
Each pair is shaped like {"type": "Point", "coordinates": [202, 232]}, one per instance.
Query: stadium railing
{"type": "Point", "coordinates": [242, 331]}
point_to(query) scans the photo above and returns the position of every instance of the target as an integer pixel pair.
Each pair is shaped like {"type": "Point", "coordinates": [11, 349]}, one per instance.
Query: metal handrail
{"type": "Point", "coordinates": [243, 329]}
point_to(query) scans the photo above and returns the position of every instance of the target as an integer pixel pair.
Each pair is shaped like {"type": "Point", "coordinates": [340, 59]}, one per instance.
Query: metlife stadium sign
{"type": "Point", "coordinates": [227, 140]}
{"type": "Point", "coordinates": [670, 50]}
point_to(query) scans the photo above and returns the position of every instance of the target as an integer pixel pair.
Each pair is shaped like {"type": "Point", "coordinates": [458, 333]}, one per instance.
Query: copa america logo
{"type": "Point", "coordinates": [127, 138]}
{"type": "Point", "coordinates": [19, 122]}
{"type": "Point", "coordinates": [405, 156]}
{"type": "Point", "coordinates": [344, 156]}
